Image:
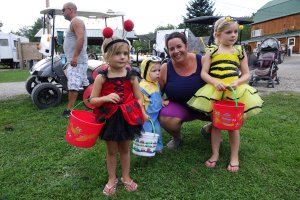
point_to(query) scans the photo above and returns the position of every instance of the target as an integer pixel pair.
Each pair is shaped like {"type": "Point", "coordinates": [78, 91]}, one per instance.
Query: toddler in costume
{"type": "Point", "coordinates": [118, 101]}
{"type": "Point", "coordinates": [149, 86]}
{"type": "Point", "coordinates": [221, 66]}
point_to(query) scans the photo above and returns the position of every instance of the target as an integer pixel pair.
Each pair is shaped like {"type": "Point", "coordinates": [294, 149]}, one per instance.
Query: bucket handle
{"type": "Point", "coordinates": [81, 102]}
{"type": "Point", "coordinates": [234, 96]}
{"type": "Point", "coordinates": [153, 127]}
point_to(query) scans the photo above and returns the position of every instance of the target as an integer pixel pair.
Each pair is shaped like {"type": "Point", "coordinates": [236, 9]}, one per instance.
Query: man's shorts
{"type": "Point", "coordinates": [77, 77]}
{"type": "Point", "coordinates": [183, 112]}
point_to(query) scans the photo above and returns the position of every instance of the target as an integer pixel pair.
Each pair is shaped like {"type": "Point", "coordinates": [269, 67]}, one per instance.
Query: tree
{"type": "Point", "coordinates": [246, 33]}
{"type": "Point", "coordinates": [30, 31]}
{"type": "Point", "coordinates": [168, 27]}
{"type": "Point", "coordinates": [197, 8]}
{"type": "Point", "coordinates": [147, 41]}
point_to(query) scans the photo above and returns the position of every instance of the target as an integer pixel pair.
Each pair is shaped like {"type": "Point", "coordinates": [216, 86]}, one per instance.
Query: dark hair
{"type": "Point", "coordinates": [176, 35]}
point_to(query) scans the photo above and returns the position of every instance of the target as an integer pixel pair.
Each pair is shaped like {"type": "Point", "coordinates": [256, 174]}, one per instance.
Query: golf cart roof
{"type": "Point", "coordinates": [209, 20]}
{"type": "Point", "coordinates": [85, 13]}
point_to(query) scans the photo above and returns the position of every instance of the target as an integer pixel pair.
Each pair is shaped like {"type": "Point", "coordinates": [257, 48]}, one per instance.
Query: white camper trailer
{"type": "Point", "coordinates": [8, 48]}
{"type": "Point", "coordinates": [193, 42]}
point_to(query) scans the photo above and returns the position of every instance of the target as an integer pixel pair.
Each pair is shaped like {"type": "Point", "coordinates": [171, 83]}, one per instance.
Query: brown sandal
{"type": "Point", "coordinates": [130, 186]}
{"type": "Point", "coordinates": [110, 190]}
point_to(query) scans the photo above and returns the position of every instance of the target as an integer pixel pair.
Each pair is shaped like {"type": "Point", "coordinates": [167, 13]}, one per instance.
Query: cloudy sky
{"type": "Point", "coordinates": [146, 15]}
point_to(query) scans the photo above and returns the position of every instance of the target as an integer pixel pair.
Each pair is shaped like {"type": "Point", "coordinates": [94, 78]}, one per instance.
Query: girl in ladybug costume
{"type": "Point", "coordinates": [118, 100]}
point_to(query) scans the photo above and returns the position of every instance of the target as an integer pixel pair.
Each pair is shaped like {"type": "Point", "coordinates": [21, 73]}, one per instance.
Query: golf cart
{"type": "Point", "coordinates": [48, 81]}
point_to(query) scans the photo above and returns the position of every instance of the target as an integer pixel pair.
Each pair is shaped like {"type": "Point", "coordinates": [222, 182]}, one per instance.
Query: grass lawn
{"type": "Point", "coordinates": [37, 162]}
{"type": "Point", "coordinates": [13, 75]}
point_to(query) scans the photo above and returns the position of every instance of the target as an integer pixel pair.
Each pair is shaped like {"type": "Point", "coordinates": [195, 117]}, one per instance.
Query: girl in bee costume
{"type": "Point", "coordinates": [225, 66]}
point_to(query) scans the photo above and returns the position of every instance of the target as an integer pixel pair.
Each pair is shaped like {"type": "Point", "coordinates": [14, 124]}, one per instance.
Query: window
{"type": "Point", "coordinates": [3, 42]}
{"type": "Point", "coordinates": [291, 41]}
{"type": "Point", "coordinates": [16, 43]}
{"type": "Point", "coordinates": [256, 33]}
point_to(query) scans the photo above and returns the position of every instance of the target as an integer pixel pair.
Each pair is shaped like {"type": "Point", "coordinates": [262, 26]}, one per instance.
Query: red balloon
{"type": "Point", "coordinates": [128, 25]}
{"type": "Point", "coordinates": [107, 32]}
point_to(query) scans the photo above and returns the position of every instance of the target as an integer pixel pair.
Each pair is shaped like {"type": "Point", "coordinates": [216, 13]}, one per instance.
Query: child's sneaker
{"type": "Point", "coordinates": [66, 113]}
{"type": "Point", "coordinates": [205, 131]}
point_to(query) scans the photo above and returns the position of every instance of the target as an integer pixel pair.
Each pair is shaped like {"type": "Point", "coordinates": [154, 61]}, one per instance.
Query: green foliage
{"type": "Point", "coordinates": [246, 33]}
{"type": "Point", "coordinates": [146, 41]}
{"type": "Point", "coordinates": [137, 44]}
{"type": "Point", "coordinates": [37, 162]}
{"type": "Point", "coordinates": [94, 49]}
{"type": "Point", "coordinates": [30, 31]}
{"type": "Point", "coordinates": [197, 8]}
{"type": "Point", "coordinates": [168, 27]}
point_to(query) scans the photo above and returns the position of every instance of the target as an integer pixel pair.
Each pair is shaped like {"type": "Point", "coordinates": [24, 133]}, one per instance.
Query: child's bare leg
{"type": "Point", "coordinates": [111, 161]}
{"type": "Point", "coordinates": [124, 150]}
{"type": "Point", "coordinates": [234, 138]}
{"type": "Point", "coordinates": [125, 158]}
{"type": "Point", "coordinates": [215, 146]}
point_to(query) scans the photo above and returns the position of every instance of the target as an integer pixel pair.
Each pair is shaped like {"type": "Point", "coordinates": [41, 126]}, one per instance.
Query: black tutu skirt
{"type": "Point", "coordinates": [116, 128]}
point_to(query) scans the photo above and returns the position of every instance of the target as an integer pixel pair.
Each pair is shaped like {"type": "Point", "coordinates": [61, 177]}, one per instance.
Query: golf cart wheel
{"type": "Point", "coordinates": [46, 95]}
{"type": "Point", "coordinates": [251, 82]}
{"type": "Point", "coordinates": [92, 56]}
{"type": "Point", "coordinates": [33, 81]}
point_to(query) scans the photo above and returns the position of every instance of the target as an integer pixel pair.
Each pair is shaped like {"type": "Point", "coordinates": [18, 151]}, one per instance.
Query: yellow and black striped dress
{"type": "Point", "coordinates": [225, 68]}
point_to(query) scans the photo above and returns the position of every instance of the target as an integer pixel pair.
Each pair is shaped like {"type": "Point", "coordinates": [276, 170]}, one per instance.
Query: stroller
{"type": "Point", "coordinates": [268, 58]}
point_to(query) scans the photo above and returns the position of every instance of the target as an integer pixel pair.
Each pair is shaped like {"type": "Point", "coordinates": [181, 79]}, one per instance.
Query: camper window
{"type": "Point", "coordinates": [3, 42]}
{"type": "Point", "coordinates": [15, 43]}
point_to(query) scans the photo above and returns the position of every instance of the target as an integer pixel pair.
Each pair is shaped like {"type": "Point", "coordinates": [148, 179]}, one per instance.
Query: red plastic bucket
{"type": "Point", "coordinates": [86, 95]}
{"type": "Point", "coordinates": [228, 115]}
{"type": "Point", "coordinates": [83, 129]}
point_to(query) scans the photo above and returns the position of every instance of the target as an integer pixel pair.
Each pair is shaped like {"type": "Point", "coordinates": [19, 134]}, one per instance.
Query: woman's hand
{"type": "Point", "coordinates": [165, 103]}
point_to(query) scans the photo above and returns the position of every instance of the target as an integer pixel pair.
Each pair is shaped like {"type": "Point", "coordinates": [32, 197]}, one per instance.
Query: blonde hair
{"type": "Point", "coordinates": [221, 25]}
{"type": "Point", "coordinates": [109, 51]}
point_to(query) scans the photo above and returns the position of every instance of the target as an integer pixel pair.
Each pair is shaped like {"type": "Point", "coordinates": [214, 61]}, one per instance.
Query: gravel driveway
{"type": "Point", "coordinates": [289, 75]}
{"type": "Point", "coordinates": [9, 90]}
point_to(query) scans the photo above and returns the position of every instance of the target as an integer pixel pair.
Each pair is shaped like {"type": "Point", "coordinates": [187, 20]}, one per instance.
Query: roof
{"type": "Point", "coordinates": [209, 20]}
{"type": "Point", "coordinates": [276, 9]}
{"type": "Point", "coordinates": [92, 33]}
{"type": "Point", "coordinates": [85, 13]}
{"type": "Point", "coordinates": [13, 36]}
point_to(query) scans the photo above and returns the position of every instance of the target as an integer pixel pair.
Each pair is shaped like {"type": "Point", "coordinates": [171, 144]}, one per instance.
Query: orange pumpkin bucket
{"type": "Point", "coordinates": [228, 115]}
{"type": "Point", "coordinates": [83, 129]}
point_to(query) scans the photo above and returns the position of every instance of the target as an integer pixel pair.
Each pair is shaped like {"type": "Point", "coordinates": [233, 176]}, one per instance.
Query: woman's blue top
{"type": "Point", "coordinates": [181, 88]}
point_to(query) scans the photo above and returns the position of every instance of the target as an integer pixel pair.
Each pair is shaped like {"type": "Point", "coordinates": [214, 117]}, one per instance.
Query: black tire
{"type": "Point", "coordinates": [93, 56]}
{"type": "Point", "coordinates": [281, 58]}
{"type": "Point", "coordinates": [31, 82]}
{"type": "Point", "coordinates": [251, 82]}
{"type": "Point", "coordinates": [46, 95]}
